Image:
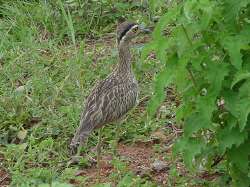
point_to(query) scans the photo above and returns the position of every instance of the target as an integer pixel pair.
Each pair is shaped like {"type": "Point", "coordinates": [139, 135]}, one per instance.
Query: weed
{"type": "Point", "coordinates": [48, 64]}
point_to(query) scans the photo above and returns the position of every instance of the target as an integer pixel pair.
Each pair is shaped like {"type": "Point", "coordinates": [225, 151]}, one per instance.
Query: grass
{"type": "Point", "coordinates": [47, 69]}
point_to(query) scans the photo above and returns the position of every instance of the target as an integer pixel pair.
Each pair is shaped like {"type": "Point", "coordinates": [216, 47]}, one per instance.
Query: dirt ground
{"type": "Point", "coordinates": [4, 176]}
{"type": "Point", "coordinates": [139, 158]}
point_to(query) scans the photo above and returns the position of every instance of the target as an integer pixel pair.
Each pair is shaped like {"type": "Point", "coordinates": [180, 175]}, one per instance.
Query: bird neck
{"type": "Point", "coordinates": [124, 57]}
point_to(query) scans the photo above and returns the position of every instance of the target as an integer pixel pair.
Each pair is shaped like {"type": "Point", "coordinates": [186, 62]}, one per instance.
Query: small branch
{"type": "Point", "coordinates": [4, 178]}
{"type": "Point", "coordinates": [217, 160]}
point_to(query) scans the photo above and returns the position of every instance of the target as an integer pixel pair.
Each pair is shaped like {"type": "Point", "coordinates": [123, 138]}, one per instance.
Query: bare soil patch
{"type": "Point", "coordinates": [4, 175]}
{"type": "Point", "coordinates": [139, 158]}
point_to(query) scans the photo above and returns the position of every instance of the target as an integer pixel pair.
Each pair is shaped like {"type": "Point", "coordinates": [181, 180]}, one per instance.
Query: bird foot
{"type": "Point", "coordinates": [73, 148]}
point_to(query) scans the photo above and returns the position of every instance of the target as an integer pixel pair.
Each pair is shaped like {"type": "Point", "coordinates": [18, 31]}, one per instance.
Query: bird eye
{"type": "Point", "coordinates": [135, 29]}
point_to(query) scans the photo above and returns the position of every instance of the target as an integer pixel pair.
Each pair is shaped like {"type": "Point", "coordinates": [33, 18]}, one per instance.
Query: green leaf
{"type": "Point", "coordinates": [227, 137]}
{"type": "Point", "coordinates": [239, 156]}
{"type": "Point", "coordinates": [182, 78]}
{"type": "Point", "coordinates": [241, 75]}
{"type": "Point", "coordinates": [195, 122]}
{"type": "Point", "coordinates": [147, 49]}
{"type": "Point", "coordinates": [202, 117]}
{"type": "Point", "coordinates": [191, 147]}
{"type": "Point", "coordinates": [239, 178]}
{"type": "Point", "coordinates": [126, 181]}
{"type": "Point", "coordinates": [244, 90]}
{"type": "Point", "coordinates": [164, 20]}
{"type": "Point", "coordinates": [202, 9]}
{"type": "Point", "coordinates": [162, 45]}
{"type": "Point", "coordinates": [163, 79]}
{"type": "Point", "coordinates": [183, 111]}
{"type": "Point", "coordinates": [238, 104]}
{"type": "Point", "coordinates": [208, 9]}
{"type": "Point", "coordinates": [215, 74]}
{"type": "Point", "coordinates": [234, 44]}
{"type": "Point", "coordinates": [232, 10]}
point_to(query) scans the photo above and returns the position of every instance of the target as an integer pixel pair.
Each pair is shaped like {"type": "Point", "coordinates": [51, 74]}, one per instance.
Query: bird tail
{"type": "Point", "coordinates": [81, 134]}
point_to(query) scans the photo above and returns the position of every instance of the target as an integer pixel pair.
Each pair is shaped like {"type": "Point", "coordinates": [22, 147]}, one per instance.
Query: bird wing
{"type": "Point", "coordinates": [118, 101]}
{"type": "Point", "coordinates": [92, 114]}
{"type": "Point", "coordinates": [111, 104]}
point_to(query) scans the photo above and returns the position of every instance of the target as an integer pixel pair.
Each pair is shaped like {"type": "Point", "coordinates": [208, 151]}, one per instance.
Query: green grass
{"type": "Point", "coordinates": [47, 69]}
{"type": "Point", "coordinates": [43, 82]}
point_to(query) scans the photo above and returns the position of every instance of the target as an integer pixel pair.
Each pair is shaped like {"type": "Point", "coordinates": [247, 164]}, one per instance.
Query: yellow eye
{"type": "Point", "coordinates": [135, 29]}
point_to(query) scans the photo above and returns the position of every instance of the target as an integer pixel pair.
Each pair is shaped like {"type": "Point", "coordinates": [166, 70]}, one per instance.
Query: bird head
{"type": "Point", "coordinates": [126, 31]}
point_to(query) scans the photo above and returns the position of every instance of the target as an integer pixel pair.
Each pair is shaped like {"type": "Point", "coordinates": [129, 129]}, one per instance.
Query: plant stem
{"type": "Point", "coordinates": [99, 153]}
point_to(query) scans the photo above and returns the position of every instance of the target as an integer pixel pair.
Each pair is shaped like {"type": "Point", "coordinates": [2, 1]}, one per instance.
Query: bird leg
{"type": "Point", "coordinates": [117, 138]}
{"type": "Point", "coordinates": [99, 144]}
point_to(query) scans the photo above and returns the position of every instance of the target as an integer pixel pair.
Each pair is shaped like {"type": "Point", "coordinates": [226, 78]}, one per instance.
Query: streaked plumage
{"type": "Point", "coordinates": [114, 96]}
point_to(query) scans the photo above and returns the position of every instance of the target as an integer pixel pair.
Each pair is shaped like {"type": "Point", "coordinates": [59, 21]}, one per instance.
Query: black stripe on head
{"type": "Point", "coordinates": [129, 26]}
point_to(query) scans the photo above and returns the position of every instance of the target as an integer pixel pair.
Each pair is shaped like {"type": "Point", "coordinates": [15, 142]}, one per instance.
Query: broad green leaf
{"type": "Point", "coordinates": [208, 9]}
{"type": "Point", "coordinates": [161, 47]}
{"type": "Point", "coordinates": [239, 178]}
{"type": "Point", "coordinates": [183, 111]}
{"type": "Point", "coordinates": [238, 104]}
{"type": "Point", "coordinates": [195, 122]}
{"type": "Point", "coordinates": [234, 44]}
{"type": "Point", "coordinates": [191, 147]}
{"type": "Point", "coordinates": [227, 137]}
{"type": "Point", "coordinates": [182, 42]}
{"type": "Point", "coordinates": [243, 112]}
{"type": "Point", "coordinates": [232, 10]}
{"type": "Point", "coordinates": [240, 156]}
{"type": "Point", "coordinates": [164, 20]}
{"type": "Point", "coordinates": [163, 79]}
{"type": "Point", "coordinates": [241, 75]}
{"type": "Point", "coordinates": [203, 9]}
{"type": "Point", "coordinates": [188, 10]}
{"type": "Point", "coordinates": [215, 74]}
{"type": "Point", "coordinates": [244, 90]}
{"type": "Point", "coordinates": [147, 49]}
{"type": "Point", "coordinates": [201, 118]}
{"type": "Point", "coordinates": [182, 78]}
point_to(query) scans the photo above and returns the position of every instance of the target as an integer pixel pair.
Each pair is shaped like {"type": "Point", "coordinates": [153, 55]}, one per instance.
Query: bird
{"type": "Point", "coordinates": [112, 97]}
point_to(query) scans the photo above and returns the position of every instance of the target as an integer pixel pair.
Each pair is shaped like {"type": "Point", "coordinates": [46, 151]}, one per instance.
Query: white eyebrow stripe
{"type": "Point", "coordinates": [122, 39]}
{"type": "Point", "coordinates": [133, 27]}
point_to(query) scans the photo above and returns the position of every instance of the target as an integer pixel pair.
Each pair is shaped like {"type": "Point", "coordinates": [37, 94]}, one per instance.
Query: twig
{"type": "Point", "coordinates": [2, 179]}
{"type": "Point", "coordinates": [217, 160]}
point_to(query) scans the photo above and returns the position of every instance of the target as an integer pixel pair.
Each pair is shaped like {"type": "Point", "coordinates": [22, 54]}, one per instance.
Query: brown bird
{"type": "Point", "coordinates": [114, 96]}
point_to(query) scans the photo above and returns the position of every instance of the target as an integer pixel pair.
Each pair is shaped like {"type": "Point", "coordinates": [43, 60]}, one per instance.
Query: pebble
{"type": "Point", "coordinates": [159, 165]}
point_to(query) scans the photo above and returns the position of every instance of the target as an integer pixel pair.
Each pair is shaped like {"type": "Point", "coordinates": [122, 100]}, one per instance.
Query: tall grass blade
{"type": "Point", "coordinates": [68, 19]}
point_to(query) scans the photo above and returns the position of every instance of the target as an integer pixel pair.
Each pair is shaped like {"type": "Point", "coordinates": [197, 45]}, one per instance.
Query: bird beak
{"type": "Point", "coordinates": [145, 30]}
